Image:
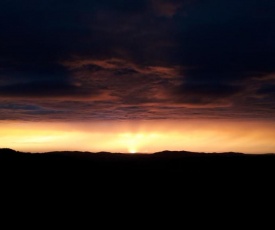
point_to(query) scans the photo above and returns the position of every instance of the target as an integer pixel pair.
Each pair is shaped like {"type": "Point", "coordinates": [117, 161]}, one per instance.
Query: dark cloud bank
{"type": "Point", "coordinates": [148, 59]}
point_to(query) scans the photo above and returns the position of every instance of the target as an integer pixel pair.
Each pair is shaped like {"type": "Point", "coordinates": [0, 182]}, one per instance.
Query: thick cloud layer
{"type": "Point", "coordinates": [148, 59]}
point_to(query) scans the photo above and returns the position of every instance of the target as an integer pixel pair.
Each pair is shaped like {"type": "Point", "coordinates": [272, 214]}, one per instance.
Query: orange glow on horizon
{"type": "Point", "coordinates": [140, 136]}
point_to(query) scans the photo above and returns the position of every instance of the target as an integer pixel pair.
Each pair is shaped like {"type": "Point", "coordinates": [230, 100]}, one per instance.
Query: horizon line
{"type": "Point", "coordinates": [136, 153]}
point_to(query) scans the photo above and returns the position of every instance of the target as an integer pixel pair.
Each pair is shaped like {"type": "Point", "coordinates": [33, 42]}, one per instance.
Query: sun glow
{"type": "Point", "coordinates": [136, 142]}
{"type": "Point", "coordinates": [133, 151]}
{"type": "Point", "coordinates": [139, 137]}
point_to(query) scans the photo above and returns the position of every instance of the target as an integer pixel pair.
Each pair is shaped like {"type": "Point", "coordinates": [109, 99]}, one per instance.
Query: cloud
{"type": "Point", "coordinates": [129, 82]}
{"type": "Point", "coordinates": [236, 46]}
{"type": "Point", "coordinates": [267, 89]}
{"type": "Point", "coordinates": [166, 8]}
{"type": "Point", "coordinates": [140, 59]}
{"type": "Point", "coordinates": [48, 89]}
{"type": "Point", "coordinates": [225, 46]}
{"type": "Point", "coordinates": [206, 95]}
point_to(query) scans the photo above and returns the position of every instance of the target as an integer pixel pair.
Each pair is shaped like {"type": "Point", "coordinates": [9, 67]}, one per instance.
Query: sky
{"type": "Point", "coordinates": [137, 76]}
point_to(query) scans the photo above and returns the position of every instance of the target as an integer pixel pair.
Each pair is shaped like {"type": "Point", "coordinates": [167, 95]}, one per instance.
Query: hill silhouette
{"type": "Point", "coordinates": [164, 162]}
{"type": "Point", "coordinates": [162, 176]}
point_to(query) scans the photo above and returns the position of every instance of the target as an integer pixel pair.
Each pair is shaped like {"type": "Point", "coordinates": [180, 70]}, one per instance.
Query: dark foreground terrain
{"type": "Point", "coordinates": [183, 181]}
{"type": "Point", "coordinates": [166, 163]}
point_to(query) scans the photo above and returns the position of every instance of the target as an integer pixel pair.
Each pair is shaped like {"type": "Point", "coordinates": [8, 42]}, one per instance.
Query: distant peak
{"type": "Point", "coordinates": [7, 150]}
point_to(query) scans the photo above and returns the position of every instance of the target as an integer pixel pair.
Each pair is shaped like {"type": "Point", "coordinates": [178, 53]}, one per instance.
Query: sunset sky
{"type": "Point", "coordinates": [137, 75]}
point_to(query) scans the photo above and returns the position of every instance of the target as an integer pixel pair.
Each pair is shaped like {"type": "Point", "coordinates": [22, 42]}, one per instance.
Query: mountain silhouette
{"type": "Point", "coordinates": [178, 175]}
{"type": "Point", "coordinates": [159, 162]}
